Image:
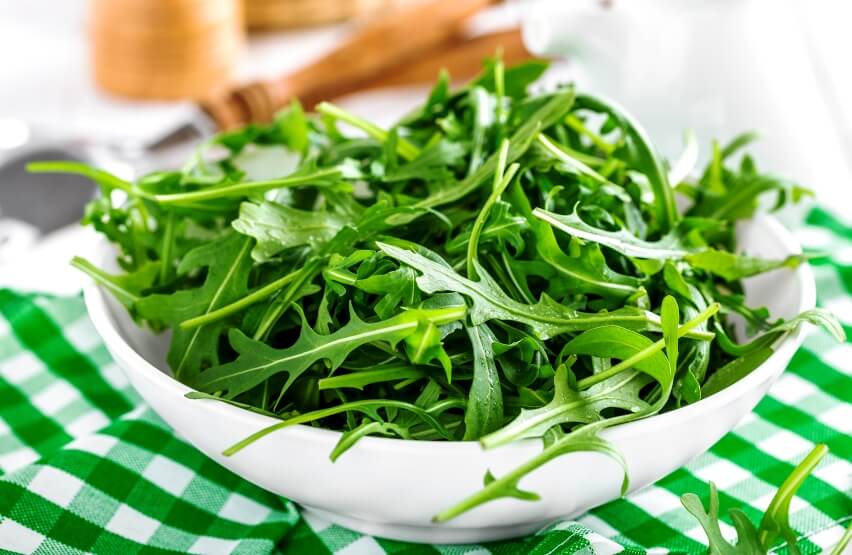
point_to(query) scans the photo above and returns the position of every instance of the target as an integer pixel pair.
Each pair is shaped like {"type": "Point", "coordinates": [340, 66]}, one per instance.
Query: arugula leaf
{"type": "Point", "coordinates": [547, 318]}
{"type": "Point", "coordinates": [621, 241]}
{"type": "Point", "coordinates": [517, 78]}
{"type": "Point", "coordinates": [642, 154]}
{"type": "Point", "coordinates": [127, 288]}
{"type": "Point", "coordinates": [228, 265]}
{"type": "Point", "coordinates": [775, 521]}
{"type": "Point", "coordinates": [520, 141]}
{"type": "Point", "coordinates": [734, 267]}
{"type": "Point", "coordinates": [434, 163]}
{"type": "Point", "coordinates": [587, 271]}
{"type": "Point", "coordinates": [735, 370]}
{"type": "Point", "coordinates": [484, 411]}
{"type": "Point", "coordinates": [256, 361]}
{"type": "Point", "coordinates": [582, 439]}
{"type": "Point", "coordinates": [369, 407]}
{"type": "Point", "coordinates": [569, 406]}
{"type": "Point", "coordinates": [276, 227]}
{"type": "Point", "coordinates": [709, 520]}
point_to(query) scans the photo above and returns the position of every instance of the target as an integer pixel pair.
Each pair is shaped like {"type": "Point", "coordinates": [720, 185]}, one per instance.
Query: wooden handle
{"type": "Point", "coordinates": [462, 58]}
{"type": "Point", "coordinates": [386, 41]}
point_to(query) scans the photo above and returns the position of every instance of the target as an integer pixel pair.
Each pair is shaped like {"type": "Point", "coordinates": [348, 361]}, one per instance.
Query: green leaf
{"type": "Point", "coordinates": [547, 318]}
{"type": "Point", "coordinates": [519, 142]}
{"type": "Point", "coordinates": [670, 317]}
{"type": "Point", "coordinates": [369, 407]}
{"type": "Point", "coordinates": [127, 288]}
{"type": "Point", "coordinates": [733, 267]}
{"type": "Point", "coordinates": [370, 427]}
{"type": "Point", "coordinates": [292, 128]}
{"type": "Point", "coordinates": [774, 524]}
{"type": "Point", "coordinates": [674, 280]}
{"type": "Point", "coordinates": [586, 272]}
{"type": "Point", "coordinates": [569, 162]}
{"type": "Point", "coordinates": [483, 106]}
{"type": "Point", "coordinates": [816, 316]}
{"type": "Point", "coordinates": [434, 163]}
{"type": "Point", "coordinates": [502, 177]}
{"type": "Point", "coordinates": [518, 78]}
{"type": "Point", "coordinates": [502, 227]}
{"type": "Point", "coordinates": [484, 412]}
{"type": "Point", "coordinates": [359, 380]}
{"type": "Point", "coordinates": [424, 345]}
{"type": "Point", "coordinates": [582, 439]}
{"type": "Point", "coordinates": [819, 317]}
{"type": "Point", "coordinates": [276, 227]}
{"type": "Point", "coordinates": [620, 241]}
{"type": "Point", "coordinates": [326, 177]}
{"type": "Point", "coordinates": [228, 265]}
{"type": "Point", "coordinates": [643, 155]}
{"type": "Point", "coordinates": [404, 148]}
{"type": "Point", "coordinates": [709, 521]}
{"type": "Point", "coordinates": [626, 345]}
{"type": "Point", "coordinates": [571, 407]}
{"type": "Point", "coordinates": [257, 361]}
{"type": "Point", "coordinates": [735, 370]}
{"type": "Point", "coordinates": [776, 520]}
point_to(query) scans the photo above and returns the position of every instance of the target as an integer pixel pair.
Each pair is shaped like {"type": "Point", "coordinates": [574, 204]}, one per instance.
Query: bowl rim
{"type": "Point", "coordinates": [105, 325]}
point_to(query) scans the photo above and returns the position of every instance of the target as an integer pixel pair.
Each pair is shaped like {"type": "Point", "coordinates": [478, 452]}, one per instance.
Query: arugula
{"type": "Point", "coordinates": [727, 265]}
{"type": "Point", "coordinates": [774, 524]}
{"type": "Point", "coordinates": [256, 361]}
{"type": "Point", "coordinates": [484, 411]}
{"type": "Point", "coordinates": [546, 318]}
{"type": "Point", "coordinates": [276, 227]}
{"type": "Point", "coordinates": [499, 264]}
{"type": "Point", "coordinates": [621, 241]}
{"type": "Point", "coordinates": [228, 263]}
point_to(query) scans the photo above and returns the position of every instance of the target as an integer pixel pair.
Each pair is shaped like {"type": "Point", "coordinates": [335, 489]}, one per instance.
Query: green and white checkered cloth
{"type": "Point", "coordinates": [86, 468]}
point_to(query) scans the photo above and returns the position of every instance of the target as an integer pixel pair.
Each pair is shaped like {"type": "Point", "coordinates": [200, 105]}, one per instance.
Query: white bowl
{"type": "Point", "coordinates": [392, 488]}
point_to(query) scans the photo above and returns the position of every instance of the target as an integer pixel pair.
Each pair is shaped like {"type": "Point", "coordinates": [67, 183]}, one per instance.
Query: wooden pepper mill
{"type": "Point", "coordinates": [165, 49]}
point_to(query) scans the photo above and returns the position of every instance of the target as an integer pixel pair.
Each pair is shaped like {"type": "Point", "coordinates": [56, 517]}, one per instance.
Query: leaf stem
{"type": "Point", "coordinates": [125, 297]}
{"type": "Point", "coordinates": [577, 125]}
{"type": "Point", "coordinates": [403, 147]}
{"type": "Point", "coordinates": [367, 405]}
{"type": "Point", "coordinates": [502, 178]}
{"type": "Point", "coordinates": [300, 278]}
{"type": "Point", "coordinates": [840, 548]}
{"type": "Point", "coordinates": [358, 380]}
{"type": "Point", "coordinates": [105, 180]}
{"type": "Point", "coordinates": [246, 301]}
{"type": "Point", "coordinates": [100, 177]}
{"type": "Point", "coordinates": [775, 518]}
{"type": "Point", "coordinates": [166, 253]}
{"type": "Point", "coordinates": [247, 188]}
{"type": "Point", "coordinates": [658, 346]}
{"type": "Point", "coordinates": [563, 156]}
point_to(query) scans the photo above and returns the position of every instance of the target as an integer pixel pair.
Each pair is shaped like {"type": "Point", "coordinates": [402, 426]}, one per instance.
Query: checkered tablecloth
{"type": "Point", "coordinates": [86, 467]}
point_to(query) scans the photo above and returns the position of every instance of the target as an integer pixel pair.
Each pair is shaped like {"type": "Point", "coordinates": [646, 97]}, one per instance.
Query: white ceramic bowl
{"type": "Point", "coordinates": [392, 488]}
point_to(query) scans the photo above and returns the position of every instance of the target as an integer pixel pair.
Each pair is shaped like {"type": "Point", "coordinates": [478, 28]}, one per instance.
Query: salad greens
{"type": "Point", "coordinates": [775, 521]}
{"type": "Point", "coordinates": [498, 265]}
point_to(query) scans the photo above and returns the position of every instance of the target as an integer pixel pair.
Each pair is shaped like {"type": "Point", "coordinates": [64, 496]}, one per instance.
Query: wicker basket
{"type": "Point", "coordinates": [276, 14]}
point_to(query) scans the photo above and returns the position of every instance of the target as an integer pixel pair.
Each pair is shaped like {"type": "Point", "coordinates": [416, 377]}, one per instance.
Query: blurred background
{"type": "Point", "coordinates": [130, 85]}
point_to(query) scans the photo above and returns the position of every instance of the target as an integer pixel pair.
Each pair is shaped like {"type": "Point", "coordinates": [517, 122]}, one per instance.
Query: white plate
{"type": "Point", "coordinates": [392, 488]}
